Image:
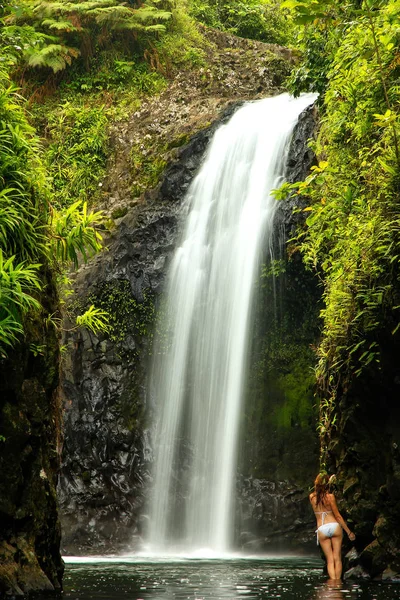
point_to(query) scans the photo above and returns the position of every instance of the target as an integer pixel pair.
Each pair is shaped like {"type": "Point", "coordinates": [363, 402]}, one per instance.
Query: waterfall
{"type": "Point", "coordinates": [200, 350]}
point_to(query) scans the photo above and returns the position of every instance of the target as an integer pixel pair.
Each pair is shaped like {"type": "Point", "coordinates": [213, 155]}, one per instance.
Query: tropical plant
{"type": "Point", "coordinates": [94, 319]}
{"type": "Point", "coordinates": [74, 235]}
{"type": "Point", "coordinates": [352, 232]}
{"type": "Point", "coordinates": [50, 34]}
{"type": "Point", "coordinates": [76, 151]}
{"type": "Point", "coordinates": [17, 282]}
{"type": "Point", "coordinates": [254, 19]}
{"type": "Point", "coordinates": [33, 235]}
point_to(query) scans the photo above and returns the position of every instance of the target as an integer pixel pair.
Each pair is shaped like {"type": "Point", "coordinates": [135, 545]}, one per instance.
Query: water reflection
{"type": "Point", "coordinates": [263, 579]}
{"type": "Point", "coordinates": [331, 590]}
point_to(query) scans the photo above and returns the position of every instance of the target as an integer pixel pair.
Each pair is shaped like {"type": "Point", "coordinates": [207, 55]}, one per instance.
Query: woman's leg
{"type": "Point", "coordinates": [337, 552]}
{"type": "Point", "coordinates": [326, 545]}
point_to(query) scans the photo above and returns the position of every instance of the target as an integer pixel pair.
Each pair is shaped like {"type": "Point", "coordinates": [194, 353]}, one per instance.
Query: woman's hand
{"type": "Point", "coordinates": [352, 536]}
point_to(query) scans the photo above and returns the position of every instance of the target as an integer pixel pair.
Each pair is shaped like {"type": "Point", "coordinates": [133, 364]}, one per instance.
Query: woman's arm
{"type": "Point", "coordinates": [339, 517]}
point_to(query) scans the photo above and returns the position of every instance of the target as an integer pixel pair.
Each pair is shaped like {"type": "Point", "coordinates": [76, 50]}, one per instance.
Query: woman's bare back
{"type": "Point", "coordinates": [324, 511]}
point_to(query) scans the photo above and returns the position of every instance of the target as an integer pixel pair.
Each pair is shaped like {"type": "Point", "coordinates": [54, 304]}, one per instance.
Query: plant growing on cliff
{"type": "Point", "coordinates": [76, 153]}
{"type": "Point", "coordinates": [352, 233]}
{"type": "Point", "coordinates": [16, 300]}
{"type": "Point", "coordinates": [33, 235]}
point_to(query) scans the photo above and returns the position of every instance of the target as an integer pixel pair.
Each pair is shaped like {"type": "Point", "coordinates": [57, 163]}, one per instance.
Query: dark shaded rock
{"type": "Point", "coordinates": [30, 418]}
{"type": "Point", "coordinates": [300, 159]}
{"type": "Point", "coordinates": [274, 514]}
{"type": "Point", "coordinates": [357, 573]}
{"type": "Point", "coordinates": [364, 452]}
{"type": "Point", "coordinates": [374, 559]}
{"type": "Point", "coordinates": [351, 559]}
{"type": "Point", "coordinates": [389, 575]}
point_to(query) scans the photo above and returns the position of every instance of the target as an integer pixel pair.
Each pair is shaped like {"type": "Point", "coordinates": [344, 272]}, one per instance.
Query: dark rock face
{"type": "Point", "coordinates": [107, 448]}
{"type": "Point", "coordinates": [300, 159]}
{"type": "Point", "coordinates": [274, 515]}
{"type": "Point", "coordinates": [364, 452]}
{"type": "Point", "coordinates": [30, 423]}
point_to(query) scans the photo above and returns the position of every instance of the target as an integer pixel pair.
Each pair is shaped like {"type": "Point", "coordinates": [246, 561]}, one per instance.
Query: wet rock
{"type": "Point", "coordinates": [351, 558]}
{"type": "Point", "coordinates": [356, 573]}
{"type": "Point", "coordinates": [366, 462]}
{"type": "Point", "coordinates": [389, 575]}
{"type": "Point", "coordinates": [272, 513]}
{"type": "Point", "coordinates": [300, 159]}
{"type": "Point", "coordinates": [30, 416]}
{"type": "Point", "coordinates": [374, 558]}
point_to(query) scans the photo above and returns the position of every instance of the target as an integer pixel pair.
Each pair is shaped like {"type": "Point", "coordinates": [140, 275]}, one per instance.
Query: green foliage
{"type": "Point", "coordinates": [111, 72]}
{"type": "Point", "coordinates": [182, 46]}
{"type": "Point", "coordinates": [147, 166]}
{"type": "Point", "coordinates": [23, 201]}
{"type": "Point", "coordinates": [16, 285]}
{"type": "Point", "coordinates": [352, 235]}
{"type": "Point", "coordinates": [296, 386]}
{"type": "Point", "coordinates": [125, 315]}
{"type": "Point", "coordinates": [74, 231]}
{"type": "Point", "coordinates": [321, 27]}
{"type": "Point", "coordinates": [94, 319]}
{"type": "Point", "coordinates": [77, 151]}
{"type": "Point", "coordinates": [54, 32]}
{"type": "Point", "coordinates": [273, 269]}
{"type": "Point", "coordinates": [254, 19]}
{"type": "Point", "coordinates": [32, 234]}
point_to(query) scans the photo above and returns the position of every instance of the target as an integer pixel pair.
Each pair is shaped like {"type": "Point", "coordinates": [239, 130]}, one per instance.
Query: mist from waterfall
{"type": "Point", "coordinates": [200, 350]}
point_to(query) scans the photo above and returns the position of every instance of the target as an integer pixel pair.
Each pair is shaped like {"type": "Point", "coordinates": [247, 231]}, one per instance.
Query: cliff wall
{"type": "Point", "coordinates": [30, 421]}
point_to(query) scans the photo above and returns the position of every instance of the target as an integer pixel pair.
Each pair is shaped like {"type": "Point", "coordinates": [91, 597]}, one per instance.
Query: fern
{"type": "Point", "coordinates": [53, 56]}
{"type": "Point", "coordinates": [30, 22]}
{"type": "Point", "coordinates": [59, 25]}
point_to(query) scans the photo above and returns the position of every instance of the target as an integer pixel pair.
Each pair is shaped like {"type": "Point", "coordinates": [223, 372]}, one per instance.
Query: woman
{"type": "Point", "coordinates": [330, 523]}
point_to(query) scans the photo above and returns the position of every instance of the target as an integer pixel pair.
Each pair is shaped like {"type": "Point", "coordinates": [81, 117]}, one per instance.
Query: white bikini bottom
{"type": "Point", "coordinates": [327, 529]}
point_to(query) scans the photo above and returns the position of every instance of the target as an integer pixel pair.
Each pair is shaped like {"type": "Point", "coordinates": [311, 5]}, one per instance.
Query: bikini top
{"type": "Point", "coordinates": [323, 513]}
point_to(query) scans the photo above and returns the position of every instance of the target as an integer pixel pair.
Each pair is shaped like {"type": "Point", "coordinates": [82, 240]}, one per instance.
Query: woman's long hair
{"type": "Point", "coordinates": [321, 487]}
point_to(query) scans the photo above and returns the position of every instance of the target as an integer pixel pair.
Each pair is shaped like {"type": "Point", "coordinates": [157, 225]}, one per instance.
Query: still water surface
{"type": "Point", "coordinates": [235, 579]}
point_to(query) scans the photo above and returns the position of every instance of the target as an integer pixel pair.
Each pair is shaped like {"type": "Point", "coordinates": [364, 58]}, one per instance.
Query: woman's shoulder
{"type": "Point", "coordinates": [331, 498]}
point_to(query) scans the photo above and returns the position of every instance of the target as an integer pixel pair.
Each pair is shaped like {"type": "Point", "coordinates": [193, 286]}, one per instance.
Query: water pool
{"type": "Point", "coordinates": [284, 578]}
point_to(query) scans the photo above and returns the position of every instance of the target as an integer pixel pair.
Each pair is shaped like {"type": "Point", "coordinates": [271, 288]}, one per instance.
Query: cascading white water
{"type": "Point", "coordinates": [200, 352]}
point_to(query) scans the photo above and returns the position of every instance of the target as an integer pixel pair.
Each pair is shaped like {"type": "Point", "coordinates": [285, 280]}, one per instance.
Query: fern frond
{"type": "Point", "coordinates": [145, 13]}
{"type": "Point", "coordinates": [59, 25]}
{"type": "Point", "coordinates": [53, 56]}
